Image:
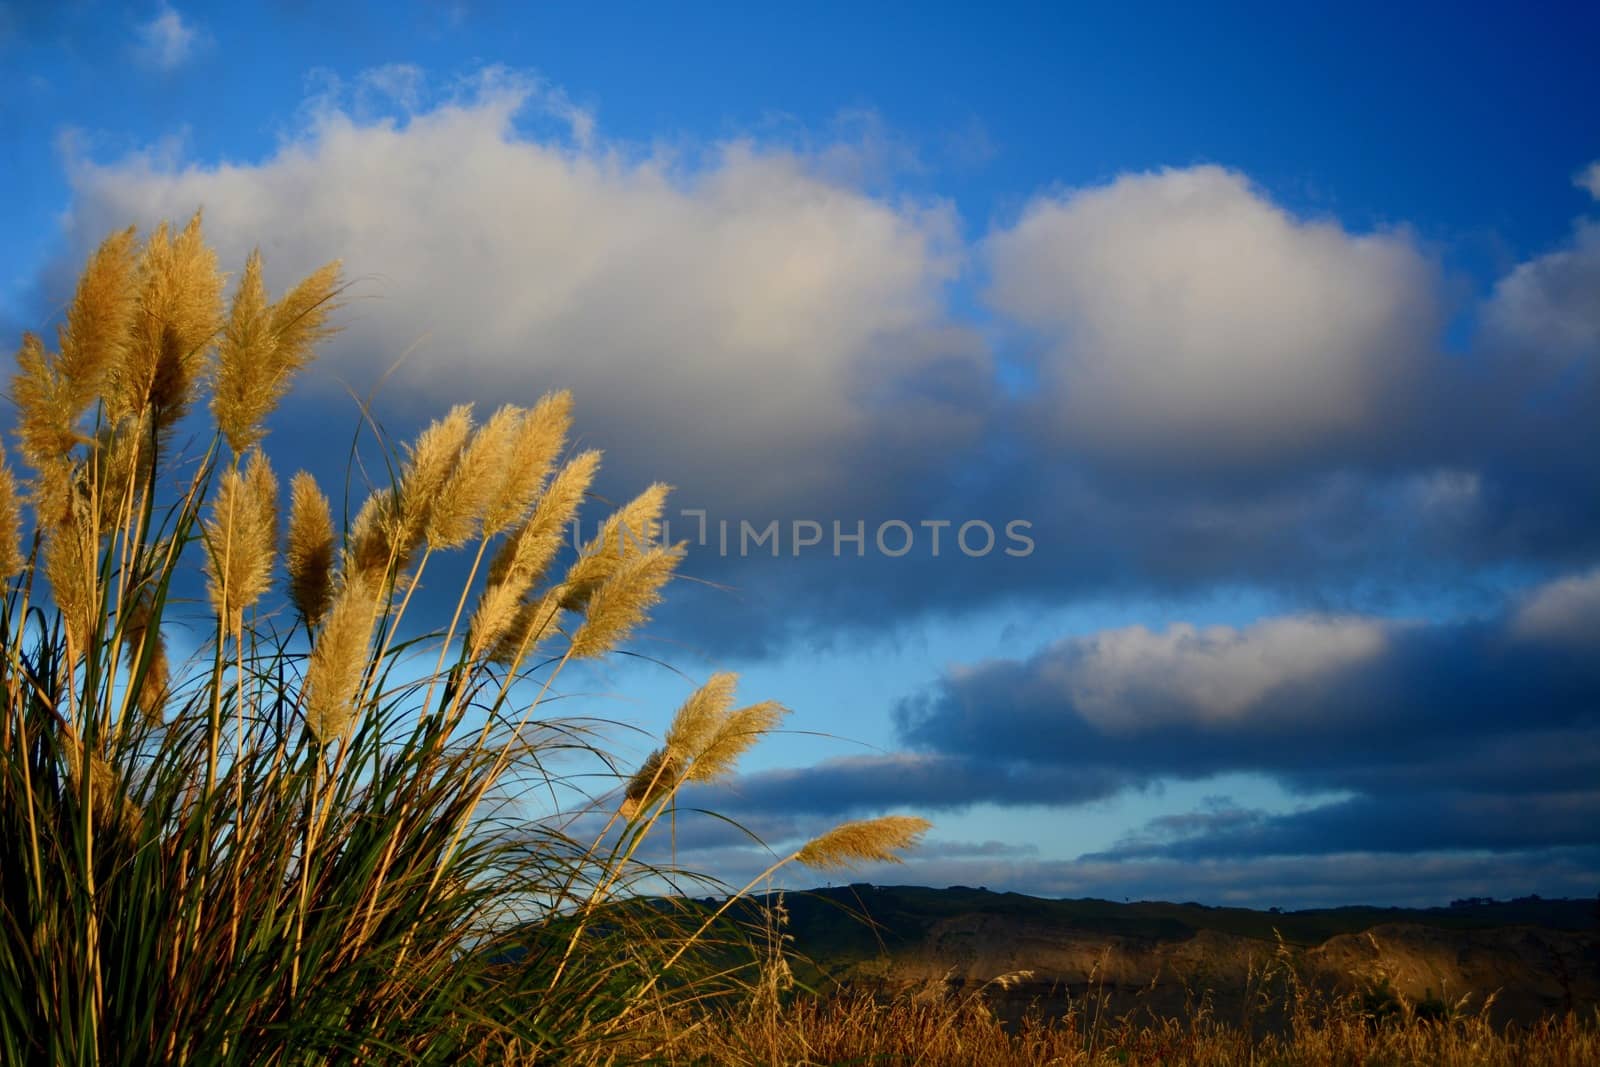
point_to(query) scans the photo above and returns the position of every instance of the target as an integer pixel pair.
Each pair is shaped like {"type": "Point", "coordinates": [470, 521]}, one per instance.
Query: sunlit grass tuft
{"type": "Point", "coordinates": [335, 833]}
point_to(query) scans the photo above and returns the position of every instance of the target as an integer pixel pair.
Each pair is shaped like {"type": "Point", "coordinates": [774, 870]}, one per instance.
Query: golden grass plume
{"type": "Point", "coordinates": [178, 318]}
{"type": "Point", "coordinates": [309, 555]}
{"type": "Point", "coordinates": [626, 534]}
{"type": "Point", "coordinates": [477, 475]}
{"type": "Point", "coordinates": [868, 841]}
{"type": "Point", "coordinates": [539, 436]}
{"type": "Point", "coordinates": [94, 339]}
{"type": "Point", "coordinates": [623, 601]}
{"type": "Point", "coordinates": [145, 650]}
{"type": "Point", "coordinates": [10, 521]}
{"type": "Point", "coordinates": [339, 659]}
{"type": "Point", "coordinates": [241, 538]}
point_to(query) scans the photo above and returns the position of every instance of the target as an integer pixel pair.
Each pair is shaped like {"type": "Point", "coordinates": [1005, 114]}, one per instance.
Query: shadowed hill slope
{"type": "Point", "coordinates": [1532, 956]}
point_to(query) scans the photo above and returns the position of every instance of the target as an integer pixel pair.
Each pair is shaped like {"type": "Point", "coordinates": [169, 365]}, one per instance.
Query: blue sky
{"type": "Point", "coordinates": [1279, 332]}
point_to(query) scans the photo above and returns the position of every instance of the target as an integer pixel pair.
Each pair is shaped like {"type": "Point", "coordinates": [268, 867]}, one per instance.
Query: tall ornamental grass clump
{"type": "Point", "coordinates": [307, 843]}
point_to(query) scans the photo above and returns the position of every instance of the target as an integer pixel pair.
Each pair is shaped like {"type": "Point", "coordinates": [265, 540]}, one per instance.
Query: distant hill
{"type": "Point", "coordinates": [1535, 956]}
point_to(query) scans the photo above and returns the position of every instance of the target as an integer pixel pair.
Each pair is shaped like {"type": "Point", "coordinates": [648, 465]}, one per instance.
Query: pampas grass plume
{"type": "Point", "coordinates": [700, 716]}
{"type": "Point", "coordinates": [530, 623]}
{"type": "Point", "coordinates": [10, 521]}
{"type": "Point", "coordinates": [146, 651]}
{"type": "Point", "coordinates": [656, 777]}
{"type": "Point", "coordinates": [69, 564]}
{"type": "Point", "coordinates": [539, 436]}
{"type": "Point", "coordinates": [178, 318]}
{"type": "Point", "coordinates": [623, 601]}
{"type": "Point", "coordinates": [94, 338]}
{"type": "Point", "coordinates": [868, 841]}
{"type": "Point", "coordinates": [477, 475]}
{"type": "Point", "coordinates": [263, 346]}
{"type": "Point", "coordinates": [523, 556]}
{"type": "Point", "coordinates": [738, 730]}
{"type": "Point", "coordinates": [432, 460]}
{"type": "Point", "coordinates": [625, 534]}
{"type": "Point", "coordinates": [111, 804]}
{"type": "Point", "coordinates": [241, 538]}
{"type": "Point", "coordinates": [338, 660]}
{"type": "Point", "coordinates": [309, 556]}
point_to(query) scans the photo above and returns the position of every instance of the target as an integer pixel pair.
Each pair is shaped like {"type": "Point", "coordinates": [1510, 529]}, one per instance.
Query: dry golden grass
{"type": "Point", "coordinates": [339, 660]}
{"type": "Point", "coordinates": [869, 841]}
{"type": "Point", "coordinates": [241, 538]}
{"type": "Point", "coordinates": [10, 521]}
{"type": "Point", "coordinates": [264, 345]}
{"type": "Point", "coordinates": [308, 556]}
{"type": "Point", "coordinates": [300, 844]}
{"type": "Point", "coordinates": [857, 1028]}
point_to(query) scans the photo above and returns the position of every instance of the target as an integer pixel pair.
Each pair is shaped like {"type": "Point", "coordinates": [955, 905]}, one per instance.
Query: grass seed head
{"type": "Point", "coordinates": [309, 558]}
{"type": "Point", "coordinates": [339, 660]}
{"type": "Point", "coordinates": [699, 717]}
{"type": "Point", "coordinates": [263, 346]}
{"type": "Point", "coordinates": [121, 465]}
{"type": "Point", "coordinates": [627, 533]}
{"type": "Point", "coordinates": [658, 776]}
{"type": "Point", "coordinates": [373, 542]}
{"type": "Point", "coordinates": [466, 493]}
{"type": "Point", "coordinates": [112, 805]}
{"type": "Point", "coordinates": [99, 321]}
{"type": "Point", "coordinates": [623, 601]}
{"type": "Point", "coordinates": [531, 625]}
{"type": "Point", "coordinates": [735, 734]}
{"type": "Point", "coordinates": [241, 538]}
{"type": "Point", "coordinates": [177, 320]}
{"type": "Point", "coordinates": [528, 550]}
{"type": "Point", "coordinates": [539, 437]}
{"type": "Point", "coordinates": [70, 557]}
{"type": "Point", "coordinates": [47, 426]}
{"type": "Point", "coordinates": [146, 655]}
{"type": "Point", "coordinates": [433, 458]}
{"type": "Point", "coordinates": [868, 841]}
{"type": "Point", "coordinates": [10, 521]}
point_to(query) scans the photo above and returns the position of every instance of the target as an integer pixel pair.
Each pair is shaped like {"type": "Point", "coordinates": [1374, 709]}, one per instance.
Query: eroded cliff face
{"type": "Point", "coordinates": [1529, 971]}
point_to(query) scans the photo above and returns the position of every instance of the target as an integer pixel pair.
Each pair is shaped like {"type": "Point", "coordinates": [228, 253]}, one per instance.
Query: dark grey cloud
{"type": "Point", "coordinates": [1281, 697]}
{"type": "Point", "coordinates": [1322, 880]}
{"type": "Point", "coordinates": [1405, 821]}
{"type": "Point", "coordinates": [1477, 737]}
{"type": "Point", "coordinates": [855, 785]}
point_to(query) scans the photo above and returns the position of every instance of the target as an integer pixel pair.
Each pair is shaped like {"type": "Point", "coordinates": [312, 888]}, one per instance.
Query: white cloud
{"type": "Point", "coordinates": [167, 40]}
{"type": "Point", "coordinates": [1188, 317]}
{"type": "Point", "coordinates": [1566, 610]}
{"type": "Point", "coordinates": [733, 321]}
{"type": "Point", "coordinates": [1135, 678]}
{"type": "Point", "coordinates": [1546, 312]}
{"type": "Point", "coordinates": [1589, 178]}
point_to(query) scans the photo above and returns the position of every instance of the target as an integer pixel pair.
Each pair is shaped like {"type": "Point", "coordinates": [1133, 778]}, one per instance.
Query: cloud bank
{"type": "Point", "coordinates": [1218, 392]}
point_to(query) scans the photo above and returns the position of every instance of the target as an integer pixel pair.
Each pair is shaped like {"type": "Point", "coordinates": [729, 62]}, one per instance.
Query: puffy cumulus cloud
{"type": "Point", "coordinates": [743, 321]}
{"type": "Point", "coordinates": [755, 326]}
{"type": "Point", "coordinates": [1381, 704]}
{"type": "Point", "coordinates": [1566, 610]}
{"type": "Point", "coordinates": [1189, 320]}
{"type": "Point", "coordinates": [167, 40]}
{"type": "Point", "coordinates": [1545, 314]}
{"type": "Point", "coordinates": [1135, 678]}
